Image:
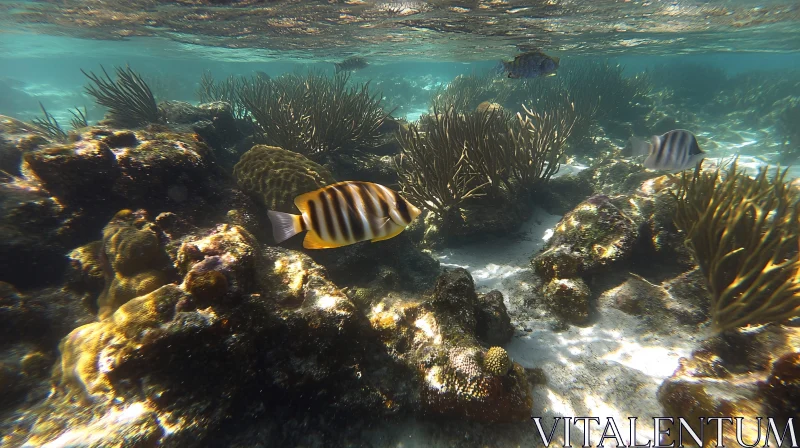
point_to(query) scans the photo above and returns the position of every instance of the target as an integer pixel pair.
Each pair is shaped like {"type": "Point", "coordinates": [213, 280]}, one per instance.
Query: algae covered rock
{"type": "Point", "coordinates": [276, 176]}
{"type": "Point", "coordinates": [568, 299]}
{"type": "Point", "coordinates": [587, 240]}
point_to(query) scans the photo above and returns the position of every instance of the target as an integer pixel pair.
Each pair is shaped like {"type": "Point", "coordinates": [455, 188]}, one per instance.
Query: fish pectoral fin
{"type": "Point", "coordinates": [313, 241]}
{"type": "Point", "coordinates": [392, 234]}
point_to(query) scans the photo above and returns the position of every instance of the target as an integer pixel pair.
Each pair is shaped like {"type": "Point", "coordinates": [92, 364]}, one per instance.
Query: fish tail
{"type": "Point", "coordinates": [639, 146]}
{"type": "Point", "coordinates": [285, 225]}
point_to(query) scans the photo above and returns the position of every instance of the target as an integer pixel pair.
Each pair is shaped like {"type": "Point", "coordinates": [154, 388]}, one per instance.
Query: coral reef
{"type": "Point", "coordinates": [452, 158]}
{"type": "Point", "coordinates": [313, 114]}
{"type": "Point", "coordinates": [265, 325]}
{"type": "Point", "coordinates": [595, 235]}
{"type": "Point", "coordinates": [496, 361]}
{"type": "Point", "coordinates": [128, 98]}
{"type": "Point", "coordinates": [276, 176]}
{"type": "Point", "coordinates": [744, 235]}
{"type": "Point", "coordinates": [134, 260]}
{"type": "Point", "coordinates": [569, 299]}
{"type": "Point", "coordinates": [746, 375]}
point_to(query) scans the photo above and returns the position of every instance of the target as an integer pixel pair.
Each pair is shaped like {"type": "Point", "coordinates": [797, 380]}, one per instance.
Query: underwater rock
{"type": "Point", "coordinates": [437, 338]}
{"type": "Point", "coordinates": [561, 194]}
{"type": "Point", "coordinates": [361, 165]}
{"type": "Point", "coordinates": [140, 168]}
{"type": "Point", "coordinates": [663, 307]}
{"type": "Point", "coordinates": [83, 171]}
{"type": "Point", "coordinates": [85, 271]}
{"type": "Point", "coordinates": [213, 122]}
{"type": "Point", "coordinates": [781, 390]}
{"type": "Point", "coordinates": [476, 219]}
{"type": "Point", "coordinates": [361, 264]}
{"type": "Point", "coordinates": [16, 138]}
{"type": "Point", "coordinates": [36, 231]}
{"type": "Point", "coordinates": [587, 240]}
{"type": "Point", "coordinates": [493, 322]}
{"type": "Point", "coordinates": [568, 299]}
{"type": "Point", "coordinates": [735, 373]}
{"type": "Point", "coordinates": [275, 176]}
{"type": "Point", "coordinates": [617, 176]}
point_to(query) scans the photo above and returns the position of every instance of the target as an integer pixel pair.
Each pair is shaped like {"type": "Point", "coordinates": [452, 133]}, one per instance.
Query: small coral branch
{"type": "Point", "coordinates": [745, 234]}
{"type": "Point", "coordinates": [434, 169]}
{"type": "Point", "coordinates": [79, 119]}
{"type": "Point", "coordinates": [49, 126]}
{"type": "Point", "coordinates": [314, 114]}
{"type": "Point", "coordinates": [539, 143]}
{"type": "Point", "coordinates": [129, 100]}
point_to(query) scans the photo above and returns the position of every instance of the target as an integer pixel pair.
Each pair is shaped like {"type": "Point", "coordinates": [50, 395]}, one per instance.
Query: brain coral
{"type": "Point", "coordinates": [277, 176]}
{"type": "Point", "coordinates": [135, 259]}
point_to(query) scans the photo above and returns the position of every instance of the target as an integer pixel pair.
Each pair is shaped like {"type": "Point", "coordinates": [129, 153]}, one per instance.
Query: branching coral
{"type": "Point", "coordinates": [744, 233]}
{"type": "Point", "coordinates": [227, 91]}
{"type": "Point", "coordinates": [49, 126]}
{"type": "Point", "coordinates": [451, 157]}
{"type": "Point", "coordinates": [129, 99]}
{"type": "Point", "coordinates": [313, 114]}
{"type": "Point", "coordinates": [601, 85]}
{"type": "Point", "coordinates": [464, 93]}
{"type": "Point", "coordinates": [434, 169]}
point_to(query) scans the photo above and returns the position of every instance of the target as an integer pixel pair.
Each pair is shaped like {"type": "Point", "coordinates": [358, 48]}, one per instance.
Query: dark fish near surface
{"type": "Point", "coordinates": [674, 151]}
{"type": "Point", "coordinates": [345, 213]}
{"type": "Point", "coordinates": [350, 64]}
{"type": "Point", "coordinates": [531, 65]}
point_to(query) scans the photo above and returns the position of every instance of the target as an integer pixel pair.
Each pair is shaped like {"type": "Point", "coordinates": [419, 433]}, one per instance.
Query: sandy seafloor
{"type": "Point", "coordinates": [611, 368]}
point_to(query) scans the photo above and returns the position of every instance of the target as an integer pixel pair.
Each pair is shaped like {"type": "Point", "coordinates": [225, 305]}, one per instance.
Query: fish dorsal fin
{"type": "Point", "coordinates": [301, 202]}
{"type": "Point", "coordinates": [555, 59]}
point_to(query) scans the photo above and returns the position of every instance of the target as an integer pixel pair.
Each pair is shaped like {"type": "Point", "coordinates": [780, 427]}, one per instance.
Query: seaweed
{"type": "Point", "coordinates": [129, 100]}
{"type": "Point", "coordinates": [78, 120]}
{"type": "Point", "coordinates": [745, 236]}
{"type": "Point", "coordinates": [227, 91]}
{"type": "Point", "coordinates": [314, 114]}
{"type": "Point", "coordinates": [450, 157]}
{"type": "Point", "coordinates": [49, 126]}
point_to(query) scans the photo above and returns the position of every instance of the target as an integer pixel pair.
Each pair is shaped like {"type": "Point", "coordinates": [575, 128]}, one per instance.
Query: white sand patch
{"type": "Point", "coordinates": [612, 368]}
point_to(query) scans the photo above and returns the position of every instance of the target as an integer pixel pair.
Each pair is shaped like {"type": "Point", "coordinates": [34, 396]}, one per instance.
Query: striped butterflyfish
{"type": "Point", "coordinates": [674, 151]}
{"type": "Point", "coordinates": [345, 213]}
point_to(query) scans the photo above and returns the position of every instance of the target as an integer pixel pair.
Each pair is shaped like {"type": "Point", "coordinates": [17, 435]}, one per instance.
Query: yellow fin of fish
{"type": "Point", "coordinates": [301, 202]}
{"type": "Point", "coordinates": [313, 241]}
{"type": "Point", "coordinates": [391, 234]}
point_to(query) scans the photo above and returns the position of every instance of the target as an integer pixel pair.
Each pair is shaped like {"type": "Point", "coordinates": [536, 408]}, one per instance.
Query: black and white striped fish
{"type": "Point", "coordinates": [345, 213]}
{"type": "Point", "coordinates": [674, 151]}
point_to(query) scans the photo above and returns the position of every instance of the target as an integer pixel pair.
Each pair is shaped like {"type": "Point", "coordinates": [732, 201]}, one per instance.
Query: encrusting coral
{"type": "Point", "coordinates": [276, 176]}
{"type": "Point", "coordinates": [745, 235]}
{"type": "Point", "coordinates": [135, 259]}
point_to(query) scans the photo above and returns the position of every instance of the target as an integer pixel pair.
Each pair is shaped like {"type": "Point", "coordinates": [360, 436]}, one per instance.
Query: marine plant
{"type": "Point", "coordinates": [128, 98]}
{"type": "Point", "coordinates": [435, 170]}
{"type": "Point", "coordinates": [601, 86]}
{"type": "Point", "coordinates": [226, 90]}
{"type": "Point", "coordinates": [788, 130]}
{"type": "Point", "coordinates": [744, 234]}
{"type": "Point", "coordinates": [313, 114]}
{"type": "Point", "coordinates": [49, 126]}
{"type": "Point", "coordinates": [691, 83]}
{"type": "Point", "coordinates": [78, 119]}
{"type": "Point", "coordinates": [450, 157]}
{"type": "Point", "coordinates": [465, 92]}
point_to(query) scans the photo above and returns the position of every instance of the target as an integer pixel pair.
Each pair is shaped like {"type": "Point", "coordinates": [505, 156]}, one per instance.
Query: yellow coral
{"type": "Point", "coordinates": [276, 176]}
{"type": "Point", "coordinates": [134, 253]}
{"type": "Point", "coordinates": [497, 361]}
